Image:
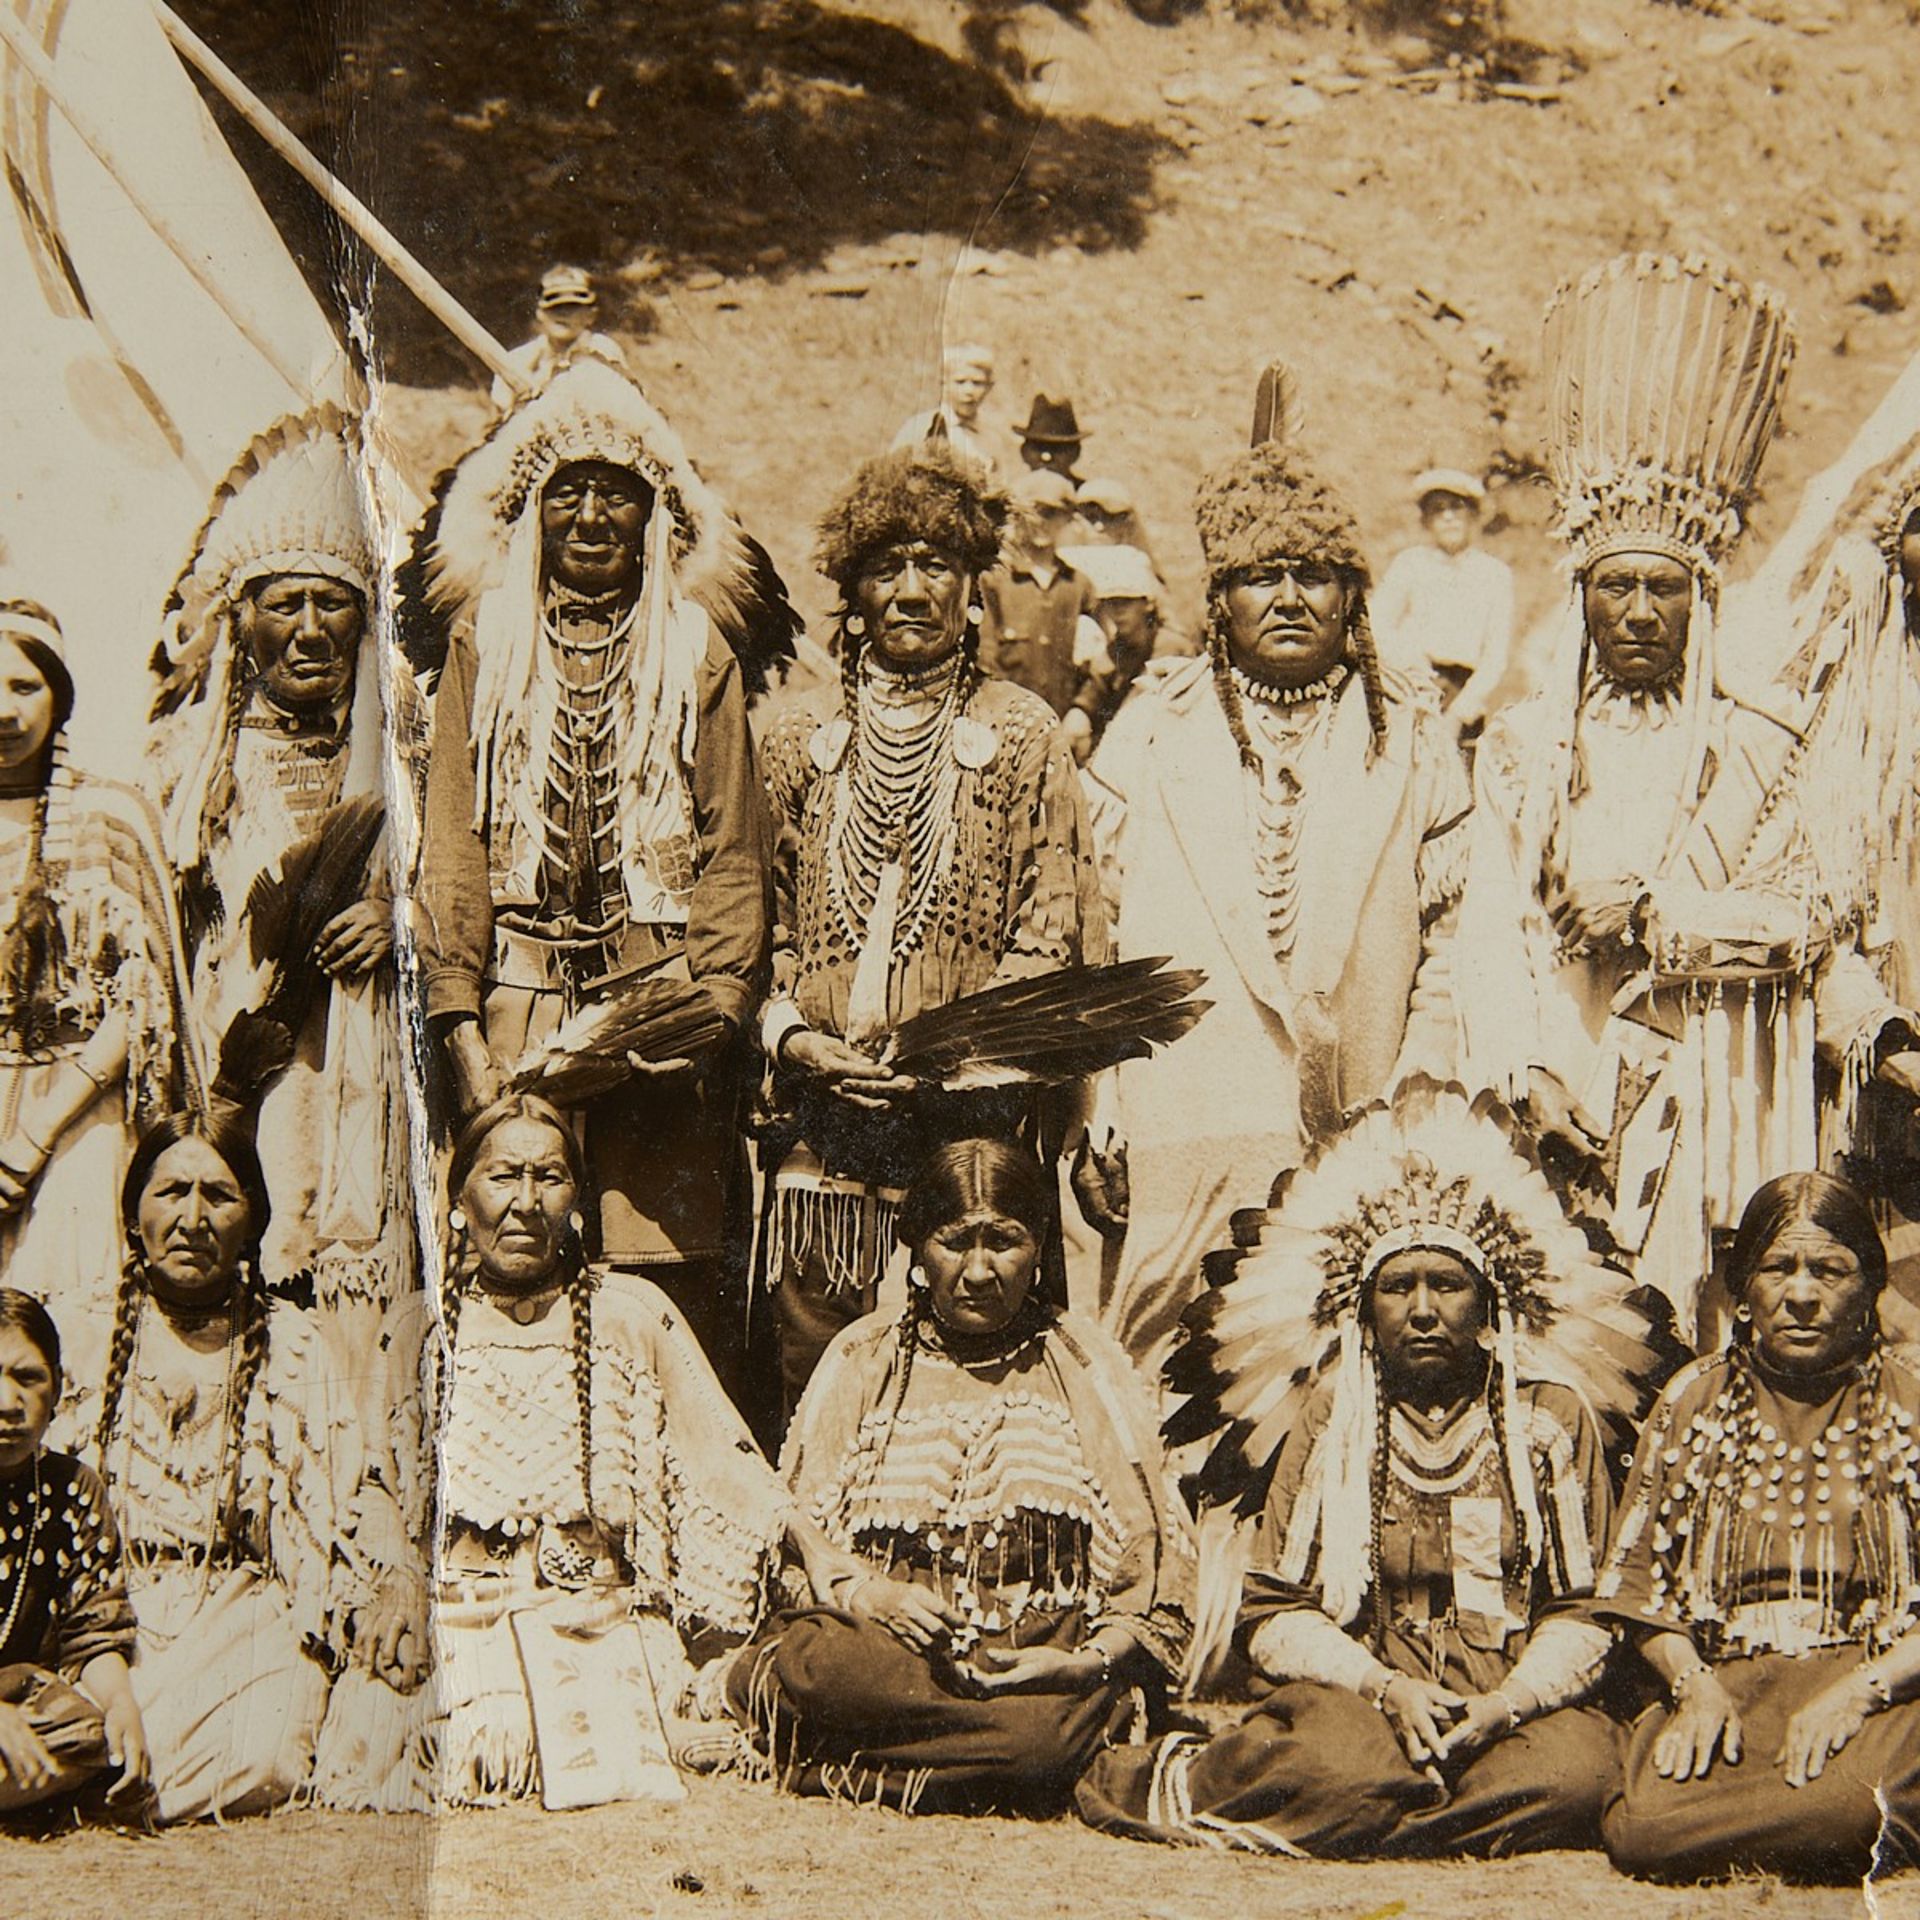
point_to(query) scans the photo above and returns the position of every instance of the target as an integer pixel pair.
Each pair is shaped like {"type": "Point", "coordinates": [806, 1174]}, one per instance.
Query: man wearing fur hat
{"type": "Point", "coordinates": [932, 843]}
{"type": "Point", "coordinates": [1284, 816]}
{"type": "Point", "coordinates": [265, 758]}
{"type": "Point", "coordinates": [594, 814]}
{"type": "Point", "coordinates": [1657, 956]}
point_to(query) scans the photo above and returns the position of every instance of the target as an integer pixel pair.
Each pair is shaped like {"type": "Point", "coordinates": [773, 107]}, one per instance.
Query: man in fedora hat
{"type": "Point", "coordinates": [1051, 437]}
{"type": "Point", "coordinates": [1445, 607]}
{"type": "Point", "coordinates": [563, 319]}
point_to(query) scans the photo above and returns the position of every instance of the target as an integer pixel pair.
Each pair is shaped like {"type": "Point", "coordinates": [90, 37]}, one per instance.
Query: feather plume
{"type": "Point", "coordinates": [1279, 409]}
{"type": "Point", "coordinates": [586, 1056]}
{"type": "Point", "coordinates": [1051, 1029]}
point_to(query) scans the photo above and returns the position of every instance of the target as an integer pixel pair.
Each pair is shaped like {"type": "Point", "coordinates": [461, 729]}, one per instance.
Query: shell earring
{"type": "Point", "coordinates": [854, 624]}
{"type": "Point", "coordinates": [975, 613]}
{"type": "Point", "coordinates": [917, 1277]}
{"type": "Point", "coordinates": [577, 1222]}
{"type": "Point", "coordinates": [456, 1221]}
{"type": "Point", "coordinates": [1484, 1339]}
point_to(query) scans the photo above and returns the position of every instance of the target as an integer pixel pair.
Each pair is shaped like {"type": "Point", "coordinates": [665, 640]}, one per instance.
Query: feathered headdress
{"type": "Point", "coordinates": [488, 504]}
{"type": "Point", "coordinates": [296, 502]}
{"type": "Point", "coordinates": [1664, 379]}
{"type": "Point", "coordinates": [1284, 1313]}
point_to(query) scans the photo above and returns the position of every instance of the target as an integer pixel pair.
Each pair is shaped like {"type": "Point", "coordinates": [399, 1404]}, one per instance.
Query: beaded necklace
{"type": "Point", "coordinates": [896, 797]}
{"type": "Point", "coordinates": [26, 1560]}
{"type": "Point", "coordinates": [1284, 729]}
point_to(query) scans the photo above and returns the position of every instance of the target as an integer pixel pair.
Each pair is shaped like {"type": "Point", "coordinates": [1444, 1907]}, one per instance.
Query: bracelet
{"type": "Point", "coordinates": [1879, 1687]}
{"type": "Point", "coordinates": [1506, 1700]}
{"type": "Point", "coordinates": [1106, 1661]}
{"type": "Point", "coordinates": [1377, 1699]}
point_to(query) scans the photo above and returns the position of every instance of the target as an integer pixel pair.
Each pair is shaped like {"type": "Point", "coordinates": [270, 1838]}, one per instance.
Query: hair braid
{"type": "Point", "coordinates": [1377, 1503]}
{"type": "Point", "coordinates": [1229, 695]}
{"type": "Point", "coordinates": [1366, 658]}
{"type": "Point", "coordinates": [580, 1314]}
{"type": "Point", "coordinates": [250, 1336]}
{"type": "Point", "coordinates": [1497, 1420]}
{"type": "Point", "coordinates": [222, 788]}
{"type": "Point", "coordinates": [127, 1305]}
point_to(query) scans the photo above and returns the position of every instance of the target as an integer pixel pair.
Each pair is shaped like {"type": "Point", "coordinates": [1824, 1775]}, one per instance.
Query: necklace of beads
{"type": "Point", "coordinates": [1282, 729]}
{"type": "Point", "coordinates": [896, 797]}
{"type": "Point", "coordinates": [26, 1560]}
{"type": "Point", "coordinates": [1733, 1475]}
{"type": "Point", "coordinates": [583, 771]}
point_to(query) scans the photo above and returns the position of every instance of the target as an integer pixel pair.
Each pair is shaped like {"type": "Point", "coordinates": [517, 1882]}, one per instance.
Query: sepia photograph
{"type": "Point", "coordinates": [959, 957]}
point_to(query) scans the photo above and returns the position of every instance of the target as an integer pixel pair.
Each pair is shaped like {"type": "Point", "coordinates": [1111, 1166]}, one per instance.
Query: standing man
{"type": "Point", "coordinates": [564, 320]}
{"type": "Point", "coordinates": [266, 728]}
{"type": "Point", "coordinates": [932, 843]}
{"type": "Point", "coordinates": [1038, 627]}
{"type": "Point", "coordinates": [966, 380]}
{"type": "Point", "coordinates": [1282, 815]}
{"type": "Point", "coordinates": [594, 813]}
{"type": "Point", "coordinates": [1652, 954]}
{"type": "Point", "coordinates": [1445, 607]}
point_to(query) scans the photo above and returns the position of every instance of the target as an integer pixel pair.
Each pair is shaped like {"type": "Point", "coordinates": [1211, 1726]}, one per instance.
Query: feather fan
{"type": "Point", "coordinates": [1050, 1029]}
{"type": "Point", "coordinates": [586, 1056]}
{"type": "Point", "coordinates": [288, 906]}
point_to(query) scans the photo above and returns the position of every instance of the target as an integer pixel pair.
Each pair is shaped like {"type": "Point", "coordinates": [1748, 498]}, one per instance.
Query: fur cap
{"type": "Point", "coordinates": [1268, 504]}
{"type": "Point", "coordinates": [914, 493]}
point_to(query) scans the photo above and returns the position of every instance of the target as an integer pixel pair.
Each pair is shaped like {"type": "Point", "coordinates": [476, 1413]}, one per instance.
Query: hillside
{"type": "Point", "coordinates": [803, 196]}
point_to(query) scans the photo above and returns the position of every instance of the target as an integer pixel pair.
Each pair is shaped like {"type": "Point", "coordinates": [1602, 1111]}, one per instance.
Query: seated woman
{"type": "Point", "coordinates": [1768, 1564]}
{"type": "Point", "coordinates": [593, 1482]}
{"type": "Point", "coordinates": [230, 1451]}
{"type": "Point", "coordinates": [67, 1712]}
{"type": "Point", "coordinates": [1410, 1345]}
{"type": "Point", "coordinates": [1015, 1560]}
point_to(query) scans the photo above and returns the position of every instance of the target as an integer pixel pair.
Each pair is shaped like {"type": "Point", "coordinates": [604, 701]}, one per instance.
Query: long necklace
{"type": "Point", "coordinates": [897, 798]}
{"type": "Point", "coordinates": [1282, 727]}
{"type": "Point", "coordinates": [583, 770]}
{"type": "Point", "coordinates": [26, 1562]}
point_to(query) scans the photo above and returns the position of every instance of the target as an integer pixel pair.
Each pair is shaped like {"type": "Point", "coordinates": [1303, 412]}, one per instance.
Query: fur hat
{"type": "Point", "coordinates": [913, 493]}
{"type": "Point", "coordinates": [1267, 504]}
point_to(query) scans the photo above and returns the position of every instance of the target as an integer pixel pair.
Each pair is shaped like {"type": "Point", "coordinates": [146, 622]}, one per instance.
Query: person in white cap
{"type": "Point", "coordinates": [1445, 607]}
{"type": "Point", "coordinates": [967, 379]}
{"type": "Point", "coordinates": [564, 321]}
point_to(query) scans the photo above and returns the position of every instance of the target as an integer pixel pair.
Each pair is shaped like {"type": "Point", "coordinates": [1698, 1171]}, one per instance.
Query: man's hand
{"type": "Point", "coordinates": [477, 1080]}
{"type": "Point", "coordinates": [22, 1161]}
{"type": "Point", "coordinates": [1420, 1712]}
{"type": "Point", "coordinates": [1823, 1726]}
{"type": "Point", "coordinates": [1553, 1113]}
{"type": "Point", "coordinates": [844, 1070]}
{"type": "Point", "coordinates": [1101, 1187]}
{"type": "Point", "coordinates": [1704, 1721]}
{"type": "Point", "coordinates": [1597, 914]}
{"type": "Point", "coordinates": [1486, 1717]}
{"type": "Point", "coordinates": [355, 940]}
{"type": "Point", "coordinates": [911, 1614]}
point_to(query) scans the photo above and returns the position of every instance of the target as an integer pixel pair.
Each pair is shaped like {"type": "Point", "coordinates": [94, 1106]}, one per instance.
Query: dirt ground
{"type": "Point", "coordinates": [732, 1850]}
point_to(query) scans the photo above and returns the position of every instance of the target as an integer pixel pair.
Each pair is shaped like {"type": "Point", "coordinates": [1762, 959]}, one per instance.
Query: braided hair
{"type": "Point", "coordinates": [228, 1136]}
{"type": "Point", "coordinates": [1377, 1510]}
{"type": "Point", "coordinates": [576, 1275]}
